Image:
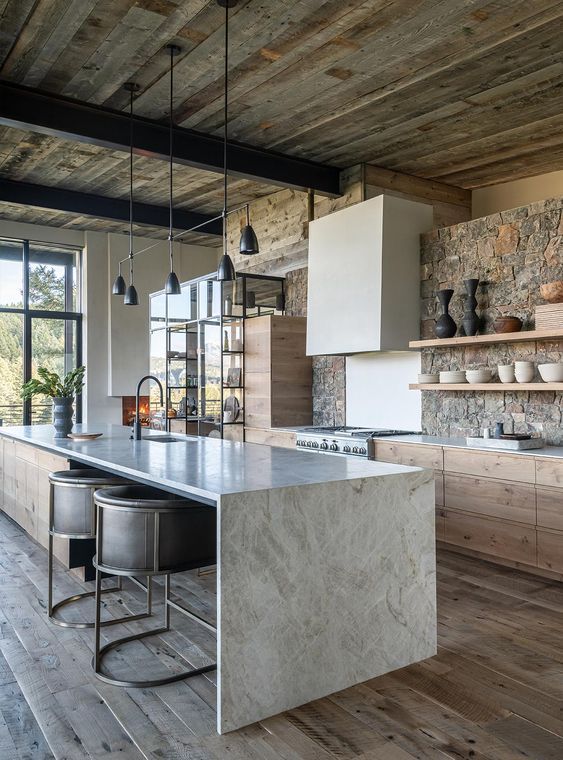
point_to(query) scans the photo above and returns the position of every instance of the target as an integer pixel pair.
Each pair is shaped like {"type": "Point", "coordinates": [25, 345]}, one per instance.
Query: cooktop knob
{"type": "Point", "coordinates": [333, 447]}
{"type": "Point", "coordinates": [363, 450]}
{"type": "Point", "coordinates": [324, 445]}
{"type": "Point", "coordinates": [355, 450]}
{"type": "Point", "coordinates": [315, 444]}
{"type": "Point", "coordinates": [346, 449]}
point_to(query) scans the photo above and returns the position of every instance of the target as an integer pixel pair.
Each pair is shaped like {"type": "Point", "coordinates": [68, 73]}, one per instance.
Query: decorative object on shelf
{"type": "Point", "coordinates": [131, 297]}
{"type": "Point", "coordinates": [524, 371]}
{"type": "Point", "coordinates": [552, 292]}
{"type": "Point", "coordinates": [250, 299]}
{"type": "Point", "coordinates": [231, 409]}
{"type": "Point", "coordinates": [499, 429]}
{"type": "Point", "coordinates": [445, 325]}
{"type": "Point", "coordinates": [248, 241]}
{"type": "Point", "coordinates": [549, 316]}
{"type": "Point", "coordinates": [236, 344]}
{"type": "Point", "coordinates": [228, 307]}
{"type": "Point", "coordinates": [172, 287]}
{"type": "Point", "coordinates": [429, 377]}
{"type": "Point", "coordinates": [226, 340]}
{"type": "Point", "coordinates": [172, 413]}
{"type": "Point", "coordinates": [506, 373]}
{"type": "Point", "coordinates": [507, 324]}
{"type": "Point", "coordinates": [453, 376]}
{"type": "Point", "coordinates": [470, 319]}
{"type": "Point", "coordinates": [476, 376]}
{"type": "Point", "coordinates": [233, 377]}
{"type": "Point", "coordinates": [551, 373]}
{"type": "Point", "coordinates": [62, 390]}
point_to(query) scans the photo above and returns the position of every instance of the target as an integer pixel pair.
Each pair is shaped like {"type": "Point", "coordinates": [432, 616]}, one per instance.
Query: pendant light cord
{"type": "Point", "coordinates": [170, 186]}
{"type": "Point", "coordinates": [130, 188]}
{"type": "Point", "coordinates": [225, 128]}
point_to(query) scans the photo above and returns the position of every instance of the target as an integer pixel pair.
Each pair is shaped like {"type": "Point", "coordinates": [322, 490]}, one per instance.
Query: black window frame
{"type": "Point", "coordinates": [29, 314]}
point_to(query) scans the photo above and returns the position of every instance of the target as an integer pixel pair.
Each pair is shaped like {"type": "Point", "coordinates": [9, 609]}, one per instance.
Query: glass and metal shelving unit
{"type": "Point", "coordinates": [197, 350]}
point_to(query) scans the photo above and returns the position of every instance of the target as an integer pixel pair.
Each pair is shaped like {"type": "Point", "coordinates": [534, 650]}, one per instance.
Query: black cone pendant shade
{"type": "Point", "coordinates": [131, 297]}
{"type": "Point", "coordinates": [248, 241]}
{"type": "Point", "coordinates": [172, 287]}
{"type": "Point", "coordinates": [118, 288]}
{"type": "Point", "coordinates": [226, 269]}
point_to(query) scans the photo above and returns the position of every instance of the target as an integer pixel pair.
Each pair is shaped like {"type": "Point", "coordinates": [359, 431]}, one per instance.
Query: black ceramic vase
{"type": "Point", "coordinates": [62, 416]}
{"type": "Point", "coordinates": [470, 319]}
{"type": "Point", "coordinates": [445, 326]}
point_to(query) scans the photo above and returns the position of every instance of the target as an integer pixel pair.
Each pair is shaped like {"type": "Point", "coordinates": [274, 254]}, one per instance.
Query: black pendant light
{"type": "Point", "coordinates": [226, 269]}
{"type": "Point", "coordinates": [248, 240]}
{"type": "Point", "coordinates": [131, 297]}
{"type": "Point", "coordinates": [118, 287]}
{"type": "Point", "coordinates": [172, 287]}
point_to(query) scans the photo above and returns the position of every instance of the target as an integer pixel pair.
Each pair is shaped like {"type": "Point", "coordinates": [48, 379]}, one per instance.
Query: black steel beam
{"type": "Point", "coordinates": [102, 207]}
{"type": "Point", "coordinates": [29, 109]}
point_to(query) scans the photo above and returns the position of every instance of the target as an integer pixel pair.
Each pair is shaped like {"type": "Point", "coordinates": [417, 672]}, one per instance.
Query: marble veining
{"type": "Point", "coordinates": [322, 586]}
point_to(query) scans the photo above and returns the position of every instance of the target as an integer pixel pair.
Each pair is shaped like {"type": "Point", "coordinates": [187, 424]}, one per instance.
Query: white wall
{"type": "Point", "coordinates": [116, 337]}
{"type": "Point", "coordinates": [520, 192]}
{"type": "Point", "coordinates": [377, 390]}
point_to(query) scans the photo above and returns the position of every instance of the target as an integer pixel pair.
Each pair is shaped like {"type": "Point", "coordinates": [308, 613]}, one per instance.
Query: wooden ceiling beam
{"type": "Point", "coordinates": [102, 207]}
{"type": "Point", "coordinates": [430, 189]}
{"type": "Point", "coordinates": [26, 108]}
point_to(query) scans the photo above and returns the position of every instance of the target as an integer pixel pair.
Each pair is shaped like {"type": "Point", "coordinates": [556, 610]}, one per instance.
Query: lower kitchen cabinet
{"type": "Point", "coordinates": [550, 554]}
{"type": "Point", "coordinates": [271, 437]}
{"type": "Point", "coordinates": [550, 507]}
{"type": "Point", "coordinates": [498, 538]}
{"type": "Point", "coordinates": [493, 498]}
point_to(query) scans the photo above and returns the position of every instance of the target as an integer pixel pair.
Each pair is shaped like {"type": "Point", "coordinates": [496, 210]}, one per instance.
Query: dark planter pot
{"type": "Point", "coordinates": [445, 325]}
{"type": "Point", "coordinates": [62, 416]}
{"type": "Point", "coordinates": [470, 319]}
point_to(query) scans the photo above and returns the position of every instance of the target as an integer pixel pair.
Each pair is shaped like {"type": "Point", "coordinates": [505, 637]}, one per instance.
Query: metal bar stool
{"type": "Point", "coordinates": [72, 514]}
{"type": "Point", "coordinates": [145, 531]}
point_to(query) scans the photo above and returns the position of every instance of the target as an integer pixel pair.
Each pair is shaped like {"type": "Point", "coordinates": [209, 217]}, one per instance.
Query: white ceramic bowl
{"type": "Point", "coordinates": [506, 373]}
{"type": "Point", "coordinates": [551, 373]}
{"type": "Point", "coordinates": [474, 376]}
{"type": "Point", "coordinates": [429, 377]}
{"type": "Point", "coordinates": [453, 376]}
{"type": "Point", "coordinates": [524, 375]}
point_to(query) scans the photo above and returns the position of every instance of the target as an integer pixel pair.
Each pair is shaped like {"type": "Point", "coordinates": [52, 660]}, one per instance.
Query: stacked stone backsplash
{"type": "Point", "coordinates": [329, 372]}
{"type": "Point", "coordinates": [512, 253]}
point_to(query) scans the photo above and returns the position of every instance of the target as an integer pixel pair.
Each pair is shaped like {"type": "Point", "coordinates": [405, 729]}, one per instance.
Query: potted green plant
{"type": "Point", "coordinates": [62, 390]}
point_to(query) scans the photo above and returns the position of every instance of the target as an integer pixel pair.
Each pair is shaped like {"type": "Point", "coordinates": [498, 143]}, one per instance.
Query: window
{"type": "Point", "coordinates": [40, 323]}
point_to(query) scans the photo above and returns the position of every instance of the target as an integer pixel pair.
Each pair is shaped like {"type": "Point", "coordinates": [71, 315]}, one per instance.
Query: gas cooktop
{"type": "Point", "coordinates": [336, 440]}
{"type": "Point", "coordinates": [353, 432]}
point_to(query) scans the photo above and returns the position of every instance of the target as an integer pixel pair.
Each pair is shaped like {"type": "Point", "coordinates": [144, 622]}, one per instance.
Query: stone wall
{"type": "Point", "coordinates": [512, 253]}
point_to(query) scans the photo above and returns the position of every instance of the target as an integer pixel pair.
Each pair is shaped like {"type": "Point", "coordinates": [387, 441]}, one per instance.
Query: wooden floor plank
{"type": "Point", "coordinates": [493, 692]}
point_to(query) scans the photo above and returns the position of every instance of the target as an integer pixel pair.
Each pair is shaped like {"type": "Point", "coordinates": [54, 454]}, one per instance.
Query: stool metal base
{"type": "Point", "coordinates": [99, 653]}
{"type": "Point", "coordinates": [53, 609]}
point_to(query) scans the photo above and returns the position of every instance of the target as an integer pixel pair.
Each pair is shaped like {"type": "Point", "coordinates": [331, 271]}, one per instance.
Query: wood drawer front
{"type": "Point", "coordinates": [494, 537]}
{"type": "Point", "coordinates": [26, 452]}
{"type": "Point", "coordinates": [550, 551]}
{"type": "Point", "coordinates": [494, 498]}
{"type": "Point", "coordinates": [550, 507]}
{"type": "Point", "coordinates": [490, 464]}
{"type": "Point", "coordinates": [549, 472]}
{"type": "Point", "coordinates": [439, 481]}
{"type": "Point", "coordinates": [269, 437]}
{"type": "Point", "coordinates": [51, 462]}
{"type": "Point", "coordinates": [411, 454]}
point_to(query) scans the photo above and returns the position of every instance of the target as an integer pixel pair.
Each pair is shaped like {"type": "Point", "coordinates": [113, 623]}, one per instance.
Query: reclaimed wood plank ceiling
{"type": "Point", "coordinates": [465, 91]}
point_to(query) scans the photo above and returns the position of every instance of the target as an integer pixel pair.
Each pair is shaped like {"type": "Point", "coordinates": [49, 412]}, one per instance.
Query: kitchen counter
{"type": "Point", "coordinates": [326, 566]}
{"type": "Point", "coordinates": [460, 443]}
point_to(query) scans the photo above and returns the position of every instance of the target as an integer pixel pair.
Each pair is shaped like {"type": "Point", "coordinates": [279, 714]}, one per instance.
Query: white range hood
{"type": "Point", "coordinates": [364, 277]}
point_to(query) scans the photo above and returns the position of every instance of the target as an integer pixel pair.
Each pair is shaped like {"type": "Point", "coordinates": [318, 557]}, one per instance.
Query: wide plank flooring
{"type": "Point", "coordinates": [494, 691]}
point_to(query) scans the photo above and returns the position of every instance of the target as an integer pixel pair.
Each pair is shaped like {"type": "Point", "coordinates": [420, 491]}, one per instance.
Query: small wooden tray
{"type": "Point", "coordinates": [84, 436]}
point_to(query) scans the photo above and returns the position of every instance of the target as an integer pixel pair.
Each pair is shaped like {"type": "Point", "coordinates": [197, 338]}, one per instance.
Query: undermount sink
{"type": "Point", "coordinates": [162, 439]}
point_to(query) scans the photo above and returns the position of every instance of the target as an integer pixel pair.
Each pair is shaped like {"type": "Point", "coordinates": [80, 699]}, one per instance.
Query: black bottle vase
{"type": "Point", "coordinates": [470, 320]}
{"type": "Point", "coordinates": [445, 325]}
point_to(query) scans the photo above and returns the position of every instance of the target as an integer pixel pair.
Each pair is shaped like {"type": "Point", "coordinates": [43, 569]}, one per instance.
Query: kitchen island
{"type": "Point", "coordinates": [326, 565]}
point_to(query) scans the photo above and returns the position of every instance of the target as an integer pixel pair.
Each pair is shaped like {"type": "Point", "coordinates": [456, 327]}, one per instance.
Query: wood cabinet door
{"type": "Point", "coordinates": [550, 556]}
{"type": "Point", "coordinates": [494, 498]}
{"type": "Point", "coordinates": [490, 464]}
{"type": "Point", "coordinates": [411, 454]}
{"type": "Point", "coordinates": [550, 508]}
{"type": "Point", "coordinates": [498, 538]}
{"type": "Point", "coordinates": [549, 472]}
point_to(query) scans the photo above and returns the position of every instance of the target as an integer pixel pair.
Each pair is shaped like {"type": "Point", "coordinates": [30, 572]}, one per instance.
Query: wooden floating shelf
{"type": "Point", "coordinates": [486, 387]}
{"type": "Point", "coordinates": [527, 335]}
